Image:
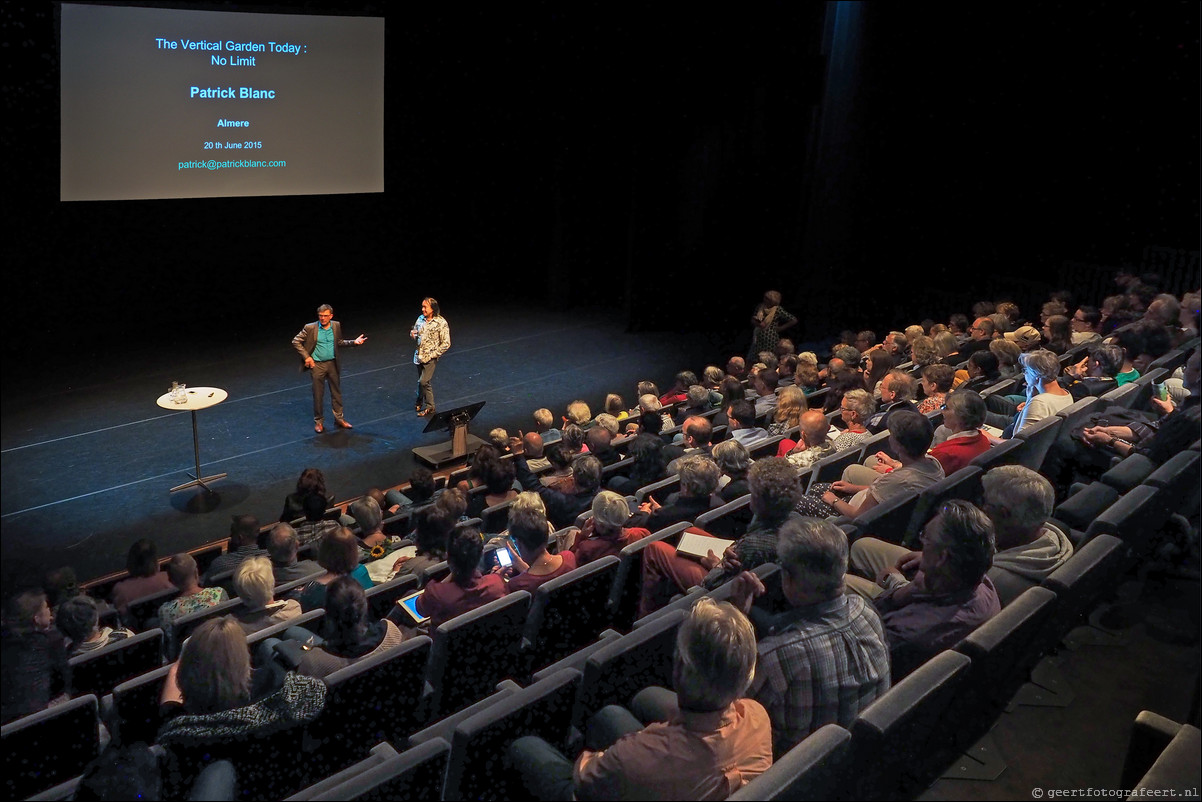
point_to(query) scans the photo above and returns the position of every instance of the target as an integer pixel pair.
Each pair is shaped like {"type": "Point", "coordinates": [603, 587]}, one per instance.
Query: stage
{"type": "Point", "coordinates": [89, 458]}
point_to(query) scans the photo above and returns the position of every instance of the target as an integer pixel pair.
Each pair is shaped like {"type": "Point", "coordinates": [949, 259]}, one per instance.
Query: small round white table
{"type": "Point", "coordinates": [198, 398]}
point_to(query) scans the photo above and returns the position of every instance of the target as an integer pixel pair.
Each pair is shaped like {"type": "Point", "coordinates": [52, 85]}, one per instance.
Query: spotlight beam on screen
{"type": "Point", "coordinates": [166, 103]}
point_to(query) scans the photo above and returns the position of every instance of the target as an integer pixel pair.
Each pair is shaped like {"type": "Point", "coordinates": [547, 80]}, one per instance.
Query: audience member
{"type": "Point", "coordinates": [855, 409]}
{"type": "Point", "coordinates": [734, 462]}
{"type": "Point", "coordinates": [814, 442]}
{"type": "Point", "coordinates": [33, 657]}
{"type": "Point", "coordinates": [599, 443]}
{"type": "Point", "coordinates": [948, 593]}
{"type": "Point", "coordinates": [420, 493]}
{"type": "Point", "coordinates": [742, 427]}
{"type": "Point", "coordinates": [768, 321]}
{"type": "Point", "coordinates": [1007, 354]}
{"type": "Point", "coordinates": [244, 542]}
{"type": "Point", "coordinates": [1058, 333]}
{"type": "Point", "coordinates": [311, 481]}
{"type": "Point", "coordinates": [1095, 374]}
{"type": "Point", "coordinates": [910, 436]}
{"type": "Point", "coordinates": [1029, 547]}
{"type": "Point", "coordinates": [1084, 325]}
{"type": "Point", "coordinates": [879, 363]}
{"type": "Point", "coordinates": [648, 453]}
{"type": "Point", "coordinates": [579, 413]}
{"type": "Point", "coordinates": [897, 394]}
{"type": "Point", "coordinates": [764, 383]}
{"type": "Point", "coordinates": [254, 584]}
{"type": "Point", "coordinates": [282, 548]}
{"type": "Point", "coordinates": [606, 532]}
{"type": "Point", "coordinates": [774, 492]}
{"type": "Point", "coordinates": [366, 513]}
{"type": "Point", "coordinates": [980, 372]}
{"type": "Point", "coordinates": [79, 619]}
{"type": "Point", "coordinates": [980, 335]}
{"type": "Point", "coordinates": [338, 553]}
{"type": "Point", "coordinates": [348, 635]}
{"type": "Point", "coordinates": [825, 659]}
{"type": "Point", "coordinates": [464, 588]}
{"type": "Point", "coordinates": [703, 742]}
{"type": "Point", "coordinates": [936, 383]}
{"type": "Point", "coordinates": [433, 530]}
{"type": "Point", "coordinates": [192, 596]}
{"type": "Point", "coordinates": [923, 351]}
{"type": "Point", "coordinates": [145, 578]}
{"type": "Point", "coordinates": [695, 434]}
{"type": "Point", "coordinates": [960, 439]}
{"type": "Point", "coordinates": [1045, 396]}
{"type": "Point", "coordinates": [532, 563]}
{"type": "Point", "coordinates": [698, 481]}
{"type": "Point", "coordinates": [543, 424]}
{"type": "Point", "coordinates": [792, 402]}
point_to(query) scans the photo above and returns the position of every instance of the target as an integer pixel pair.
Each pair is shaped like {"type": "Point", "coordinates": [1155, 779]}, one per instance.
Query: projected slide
{"type": "Point", "coordinates": [160, 103]}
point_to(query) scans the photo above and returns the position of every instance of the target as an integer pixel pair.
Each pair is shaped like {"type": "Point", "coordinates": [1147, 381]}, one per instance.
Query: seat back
{"type": "Point", "coordinates": [51, 747]}
{"type": "Point", "coordinates": [1003, 386]}
{"type": "Point", "coordinates": [433, 573]}
{"type": "Point", "coordinates": [1123, 396]}
{"type": "Point", "coordinates": [658, 490]}
{"type": "Point", "coordinates": [474, 651]}
{"type": "Point", "coordinates": [382, 599]}
{"type": "Point", "coordinates": [1006, 452]}
{"type": "Point", "coordinates": [889, 738]}
{"type": "Point", "coordinates": [141, 610]}
{"type": "Point", "coordinates": [496, 518]}
{"type": "Point", "coordinates": [397, 523]}
{"type": "Point", "coordinates": [1002, 653]}
{"type": "Point", "coordinates": [1135, 519]}
{"type": "Point", "coordinates": [1180, 477]}
{"type": "Point", "coordinates": [136, 706]}
{"type": "Point", "coordinates": [1080, 583]}
{"type": "Point", "coordinates": [888, 521]}
{"type": "Point", "coordinates": [616, 672]}
{"type": "Point", "coordinates": [100, 671]}
{"type": "Point", "coordinates": [1039, 437]}
{"type": "Point", "coordinates": [478, 767]}
{"type": "Point", "coordinates": [1074, 416]}
{"type": "Point", "coordinates": [183, 627]}
{"type": "Point", "coordinates": [828, 469]}
{"type": "Point", "coordinates": [378, 698]}
{"type": "Point", "coordinates": [814, 769]}
{"type": "Point", "coordinates": [729, 521]}
{"type": "Point", "coordinates": [311, 621]}
{"type": "Point", "coordinates": [628, 580]}
{"type": "Point", "coordinates": [569, 611]}
{"type": "Point", "coordinates": [416, 773]}
{"type": "Point", "coordinates": [766, 448]}
{"type": "Point", "coordinates": [964, 484]}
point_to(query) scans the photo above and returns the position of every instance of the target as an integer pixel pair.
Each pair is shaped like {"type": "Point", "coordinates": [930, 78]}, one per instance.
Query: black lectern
{"type": "Point", "coordinates": [461, 443]}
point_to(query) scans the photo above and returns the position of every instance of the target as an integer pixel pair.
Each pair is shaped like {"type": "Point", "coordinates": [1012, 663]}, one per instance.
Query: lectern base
{"type": "Point", "coordinates": [444, 453]}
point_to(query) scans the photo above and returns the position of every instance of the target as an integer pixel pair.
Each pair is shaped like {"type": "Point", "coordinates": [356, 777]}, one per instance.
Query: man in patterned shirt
{"type": "Point", "coordinates": [825, 659]}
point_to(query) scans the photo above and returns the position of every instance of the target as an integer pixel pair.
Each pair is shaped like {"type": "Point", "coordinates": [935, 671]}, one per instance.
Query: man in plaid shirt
{"type": "Point", "coordinates": [825, 659]}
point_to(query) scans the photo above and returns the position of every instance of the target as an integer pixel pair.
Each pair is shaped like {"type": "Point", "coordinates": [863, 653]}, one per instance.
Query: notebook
{"type": "Point", "coordinates": [696, 546]}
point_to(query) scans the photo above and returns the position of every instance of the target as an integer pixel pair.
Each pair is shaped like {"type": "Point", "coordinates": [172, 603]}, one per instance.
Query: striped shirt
{"type": "Point", "coordinates": [820, 664]}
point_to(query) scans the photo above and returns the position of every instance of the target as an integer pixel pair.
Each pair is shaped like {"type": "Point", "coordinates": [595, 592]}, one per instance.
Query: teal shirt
{"type": "Point", "coordinates": [324, 350]}
{"type": "Point", "coordinates": [1124, 378]}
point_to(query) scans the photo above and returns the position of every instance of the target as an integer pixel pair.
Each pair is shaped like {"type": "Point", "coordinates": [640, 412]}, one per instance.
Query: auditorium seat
{"type": "Point", "coordinates": [964, 484]}
{"type": "Point", "coordinates": [1083, 507]}
{"type": "Point", "coordinates": [382, 599]}
{"type": "Point", "coordinates": [889, 739]}
{"type": "Point", "coordinates": [183, 627]}
{"type": "Point", "coordinates": [478, 766]}
{"type": "Point", "coordinates": [1129, 472]}
{"type": "Point", "coordinates": [1003, 650]}
{"type": "Point", "coordinates": [293, 589]}
{"type": "Point", "coordinates": [1039, 437]}
{"type": "Point", "coordinates": [311, 621]}
{"type": "Point", "coordinates": [416, 773]}
{"type": "Point", "coordinates": [135, 707]}
{"type": "Point", "coordinates": [1006, 452]}
{"type": "Point", "coordinates": [888, 521]}
{"type": "Point", "coordinates": [45, 749]}
{"type": "Point", "coordinates": [628, 580]}
{"type": "Point", "coordinates": [474, 651]}
{"type": "Point", "coordinates": [378, 698]}
{"type": "Point", "coordinates": [143, 610]}
{"type": "Point", "coordinates": [100, 671]}
{"type": "Point", "coordinates": [1162, 757]}
{"type": "Point", "coordinates": [1136, 519]}
{"type": "Point", "coordinates": [569, 612]}
{"type": "Point", "coordinates": [616, 672]}
{"type": "Point", "coordinates": [1180, 477]}
{"type": "Point", "coordinates": [728, 521]}
{"type": "Point", "coordinates": [495, 519]}
{"type": "Point", "coordinates": [433, 573]}
{"type": "Point", "coordinates": [830, 469]}
{"type": "Point", "coordinates": [658, 490]}
{"type": "Point", "coordinates": [445, 726]}
{"type": "Point", "coordinates": [766, 448]}
{"type": "Point", "coordinates": [817, 768]}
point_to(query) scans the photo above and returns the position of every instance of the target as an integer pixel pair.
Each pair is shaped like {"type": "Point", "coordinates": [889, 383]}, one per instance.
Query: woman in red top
{"type": "Point", "coordinates": [465, 588]}
{"type": "Point", "coordinates": [963, 415]}
{"type": "Point", "coordinates": [528, 538]}
{"type": "Point", "coordinates": [606, 533]}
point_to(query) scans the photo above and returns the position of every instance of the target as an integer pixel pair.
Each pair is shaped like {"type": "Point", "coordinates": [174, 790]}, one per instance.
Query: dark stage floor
{"type": "Point", "coordinates": [88, 457]}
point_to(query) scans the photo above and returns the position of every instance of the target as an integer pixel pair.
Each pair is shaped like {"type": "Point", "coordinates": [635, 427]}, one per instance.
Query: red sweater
{"type": "Point", "coordinates": [956, 452]}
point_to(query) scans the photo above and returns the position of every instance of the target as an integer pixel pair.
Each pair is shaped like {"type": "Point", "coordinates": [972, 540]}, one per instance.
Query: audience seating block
{"type": "Point", "coordinates": [45, 749]}
{"type": "Point", "coordinates": [570, 611]}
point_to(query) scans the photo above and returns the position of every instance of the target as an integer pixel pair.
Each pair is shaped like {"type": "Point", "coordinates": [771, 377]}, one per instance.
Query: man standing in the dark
{"type": "Point", "coordinates": [318, 343]}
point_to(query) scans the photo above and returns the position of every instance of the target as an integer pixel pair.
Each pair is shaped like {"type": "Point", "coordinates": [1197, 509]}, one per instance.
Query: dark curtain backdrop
{"type": "Point", "coordinates": [667, 161]}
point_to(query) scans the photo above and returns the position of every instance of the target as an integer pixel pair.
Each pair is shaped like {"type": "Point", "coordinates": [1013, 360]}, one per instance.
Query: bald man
{"type": "Point", "coordinates": [815, 442]}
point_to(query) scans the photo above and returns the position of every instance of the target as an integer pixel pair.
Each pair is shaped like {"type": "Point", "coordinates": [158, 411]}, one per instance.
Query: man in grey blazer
{"type": "Point", "coordinates": [318, 343]}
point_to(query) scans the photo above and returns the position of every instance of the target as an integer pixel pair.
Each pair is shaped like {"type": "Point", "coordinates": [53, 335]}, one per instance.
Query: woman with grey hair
{"type": "Point", "coordinates": [734, 461]}
{"type": "Point", "coordinates": [698, 481]}
{"type": "Point", "coordinates": [1007, 358]}
{"type": "Point", "coordinates": [856, 408]}
{"type": "Point", "coordinates": [606, 532]}
{"type": "Point", "coordinates": [1045, 396]}
{"type": "Point", "coordinates": [923, 351]}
